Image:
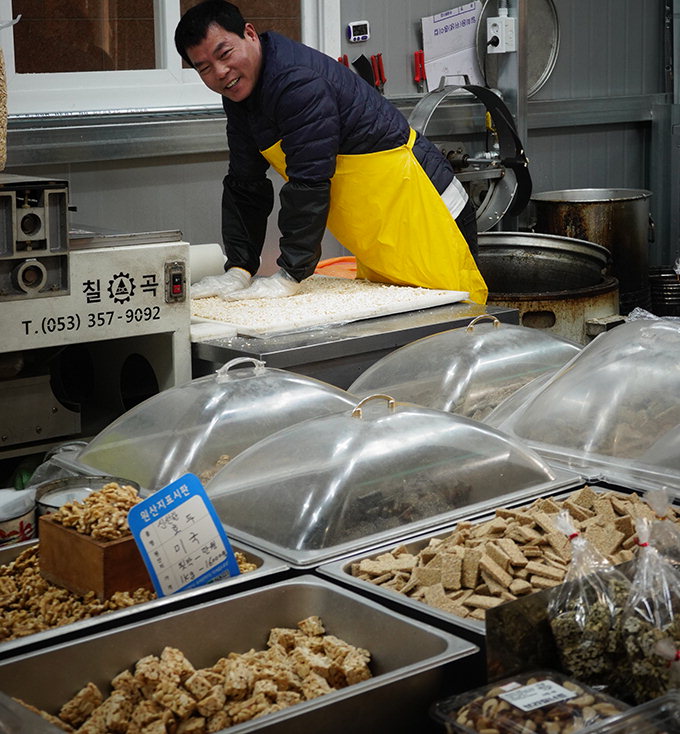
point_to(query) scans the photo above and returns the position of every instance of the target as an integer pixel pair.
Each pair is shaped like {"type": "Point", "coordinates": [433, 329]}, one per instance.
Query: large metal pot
{"type": "Point", "coordinates": [556, 283]}
{"type": "Point", "coordinates": [617, 219]}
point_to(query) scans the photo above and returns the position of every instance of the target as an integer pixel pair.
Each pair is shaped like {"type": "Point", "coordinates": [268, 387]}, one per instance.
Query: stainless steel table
{"type": "Point", "coordinates": [338, 354]}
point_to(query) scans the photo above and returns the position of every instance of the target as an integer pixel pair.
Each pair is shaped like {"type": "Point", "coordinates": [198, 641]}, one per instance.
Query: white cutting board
{"type": "Point", "coordinates": [321, 301]}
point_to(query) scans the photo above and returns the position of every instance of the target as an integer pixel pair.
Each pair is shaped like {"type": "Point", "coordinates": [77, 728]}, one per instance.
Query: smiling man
{"type": "Point", "coordinates": [349, 159]}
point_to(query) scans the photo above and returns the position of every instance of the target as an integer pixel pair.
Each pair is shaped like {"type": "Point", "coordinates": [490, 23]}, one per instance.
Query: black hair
{"type": "Point", "coordinates": [193, 25]}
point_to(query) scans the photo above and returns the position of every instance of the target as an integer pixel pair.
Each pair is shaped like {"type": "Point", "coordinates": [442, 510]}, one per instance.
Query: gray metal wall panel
{"type": "Point", "coordinates": [588, 158]}
{"type": "Point", "coordinates": [607, 47]}
{"type": "Point", "coordinates": [395, 32]}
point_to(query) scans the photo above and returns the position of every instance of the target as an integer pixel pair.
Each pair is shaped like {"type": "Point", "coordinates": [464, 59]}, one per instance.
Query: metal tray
{"type": "Point", "coordinates": [339, 571]}
{"type": "Point", "coordinates": [268, 568]}
{"type": "Point", "coordinates": [410, 661]}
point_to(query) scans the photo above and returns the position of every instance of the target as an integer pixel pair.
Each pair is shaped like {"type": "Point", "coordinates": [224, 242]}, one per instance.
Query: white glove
{"type": "Point", "coordinates": [272, 286]}
{"type": "Point", "coordinates": [221, 285]}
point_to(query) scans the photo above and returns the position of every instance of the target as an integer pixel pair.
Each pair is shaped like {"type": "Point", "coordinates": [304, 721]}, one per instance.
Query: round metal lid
{"type": "Point", "coordinates": [543, 42]}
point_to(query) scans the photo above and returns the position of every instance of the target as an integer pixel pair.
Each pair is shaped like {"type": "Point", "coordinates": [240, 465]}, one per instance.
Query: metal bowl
{"type": "Point", "coordinates": [51, 495]}
{"type": "Point", "coordinates": [520, 262]}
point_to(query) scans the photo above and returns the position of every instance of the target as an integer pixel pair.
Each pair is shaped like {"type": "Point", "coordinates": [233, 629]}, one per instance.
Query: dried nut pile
{"type": "Point", "coordinates": [30, 604]}
{"type": "Point", "coordinates": [102, 514]}
{"type": "Point", "coordinates": [519, 551]}
{"type": "Point", "coordinates": [650, 674]}
{"type": "Point", "coordinates": [493, 715]}
{"type": "Point", "coordinates": [167, 694]}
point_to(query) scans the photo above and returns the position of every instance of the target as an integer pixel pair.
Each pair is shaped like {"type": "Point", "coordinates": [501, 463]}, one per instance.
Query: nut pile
{"type": "Point", "coordinates": [167, 694]}
{"type": "Point", "coordinates": [102, 514]}
{"type": "Point", "coordinates": [30, 604]}
{"type": "Point", "coordinates": [488, 713]}
{"type": "Point", "coordinates": [519, 551]}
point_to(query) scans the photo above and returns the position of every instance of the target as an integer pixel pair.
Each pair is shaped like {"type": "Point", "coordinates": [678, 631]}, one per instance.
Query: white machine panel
{"type": "Point", "coordinates": [117, 290]}
{"type": "Point", "coordinates": [71, 361]}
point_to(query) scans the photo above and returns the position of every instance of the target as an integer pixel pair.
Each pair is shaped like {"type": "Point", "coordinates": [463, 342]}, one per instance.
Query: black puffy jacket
{"type": "Point", "coordinates": [317, 108]}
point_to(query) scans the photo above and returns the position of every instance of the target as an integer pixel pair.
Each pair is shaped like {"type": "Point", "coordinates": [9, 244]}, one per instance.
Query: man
{"type": "Point", "coordinates": [349, 160]}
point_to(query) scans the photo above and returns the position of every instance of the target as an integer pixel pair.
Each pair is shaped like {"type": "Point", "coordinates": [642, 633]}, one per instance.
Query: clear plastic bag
{"type": "Point", "coordinates": [651, 622]}
{"type": "Point", "coordinates": [585, 613]}
{"type": "Point", "coordinates": [664, 533]}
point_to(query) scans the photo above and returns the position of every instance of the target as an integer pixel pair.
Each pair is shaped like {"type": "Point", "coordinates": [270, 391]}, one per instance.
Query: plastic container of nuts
{"type": "Point", "coordinates": [541, 702]}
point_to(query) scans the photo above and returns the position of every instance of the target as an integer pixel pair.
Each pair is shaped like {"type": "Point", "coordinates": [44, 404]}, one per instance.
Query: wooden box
{"type": "Point", "coordinates": [80, 563]}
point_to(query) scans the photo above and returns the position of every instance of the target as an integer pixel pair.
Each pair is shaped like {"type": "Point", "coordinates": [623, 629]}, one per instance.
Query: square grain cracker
{"type": "Point", "coordinates": [512, 550]}
{"type": "Point", "coordinates": [578, 512]}
{"type": "Point", "coordinates": [489, 566]}
{"type": "Point", "coordinates": [584, 497]}
{"type": "Point", "coordinates": [541, 569]}
{"type": "Point", "coordinates": [471, 567]}
{"type": "Point", "coordinates": [497, 554]}
{"type": "Point", "coordinates": [452, 571]}
{"type": "Point", "coordinates": [480, 601]}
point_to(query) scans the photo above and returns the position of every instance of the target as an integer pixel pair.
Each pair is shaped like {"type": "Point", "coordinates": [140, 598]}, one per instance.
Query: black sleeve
{"type": "Point", "coordinates": [302, 222]}
{"type": "Point", "coordinates": [246, 204]}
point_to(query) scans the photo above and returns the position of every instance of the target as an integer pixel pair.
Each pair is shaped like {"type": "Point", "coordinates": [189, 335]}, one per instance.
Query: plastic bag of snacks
{"type": "Point", "coordinates": [651, 622]}
{"type": "Point", "coordinates": [664, 531]}
{"type": "Point", "coordinates": [585, 613]}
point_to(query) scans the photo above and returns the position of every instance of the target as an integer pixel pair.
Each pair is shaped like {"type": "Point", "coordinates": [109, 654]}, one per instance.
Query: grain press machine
{"type": "Point", "coordinates": [92, 323]}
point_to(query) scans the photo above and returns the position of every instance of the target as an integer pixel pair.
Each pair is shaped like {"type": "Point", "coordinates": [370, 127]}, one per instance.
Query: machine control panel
{"type": "Point", "coordinates": [175, 281]}
{"type": "Point", "coordinates": [34, 237]}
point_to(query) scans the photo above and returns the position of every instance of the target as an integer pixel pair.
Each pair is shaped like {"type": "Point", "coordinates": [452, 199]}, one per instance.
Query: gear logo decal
{"type": "Point", "coordinates": [121, 287]}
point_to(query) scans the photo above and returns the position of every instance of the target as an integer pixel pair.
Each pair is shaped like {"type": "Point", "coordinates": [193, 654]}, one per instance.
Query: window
{"type": "Point", "coordinates": [75, 56]}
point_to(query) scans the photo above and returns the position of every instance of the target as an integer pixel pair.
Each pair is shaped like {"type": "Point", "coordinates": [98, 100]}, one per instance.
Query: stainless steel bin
{"type": "Point", "coordinates": [410, 661]}
{"type": "Point", "coordinates": [268, 568]}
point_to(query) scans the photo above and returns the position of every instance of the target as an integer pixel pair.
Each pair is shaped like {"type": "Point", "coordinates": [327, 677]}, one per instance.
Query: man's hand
{"type": "Point", "coordinates": [278, 285]}
{"type": "Point", "coordinates": [235, 279]}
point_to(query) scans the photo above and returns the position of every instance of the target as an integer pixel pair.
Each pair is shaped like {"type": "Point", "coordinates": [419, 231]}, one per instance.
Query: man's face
{"type": "Point", "coordinates": [228, 64]}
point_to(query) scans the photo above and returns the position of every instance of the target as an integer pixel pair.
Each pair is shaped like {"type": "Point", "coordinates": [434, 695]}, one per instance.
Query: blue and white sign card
{"type": "Point", "coordinates": [181, 538]}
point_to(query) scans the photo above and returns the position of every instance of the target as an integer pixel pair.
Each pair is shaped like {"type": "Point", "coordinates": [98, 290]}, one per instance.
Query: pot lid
{"type": "Point", "coordinates": [467, 371]}
{"type": "Point", "coordinates": [199, 426]}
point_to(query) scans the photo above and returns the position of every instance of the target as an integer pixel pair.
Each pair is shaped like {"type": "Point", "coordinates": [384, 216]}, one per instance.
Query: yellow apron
{"type": "Point", "coordinates": [385, 210]}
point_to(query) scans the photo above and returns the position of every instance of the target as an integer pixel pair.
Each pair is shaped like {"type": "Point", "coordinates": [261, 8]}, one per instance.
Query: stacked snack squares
{"type": "Point", "coordinates": [585, 613]}
{"type": "Point", "coordinates": [166, 693]}
{"type": "Point", "coordinates": [518, 552]}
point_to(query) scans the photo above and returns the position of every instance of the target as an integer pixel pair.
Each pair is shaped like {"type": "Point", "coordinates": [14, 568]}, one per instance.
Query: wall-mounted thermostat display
{"type": "Point", "coordinates": [358, 31]}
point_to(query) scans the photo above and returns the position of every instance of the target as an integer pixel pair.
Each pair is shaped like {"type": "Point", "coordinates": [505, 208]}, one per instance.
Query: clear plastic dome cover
{"type": "Point", "coordinates": [613, 411]}
{"type": "Point", "coordinates": [199, 426]}
{"type": "Point", "coordinates": [467, 371]}
{"type": "Point", "coordinates": [383, 470]}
